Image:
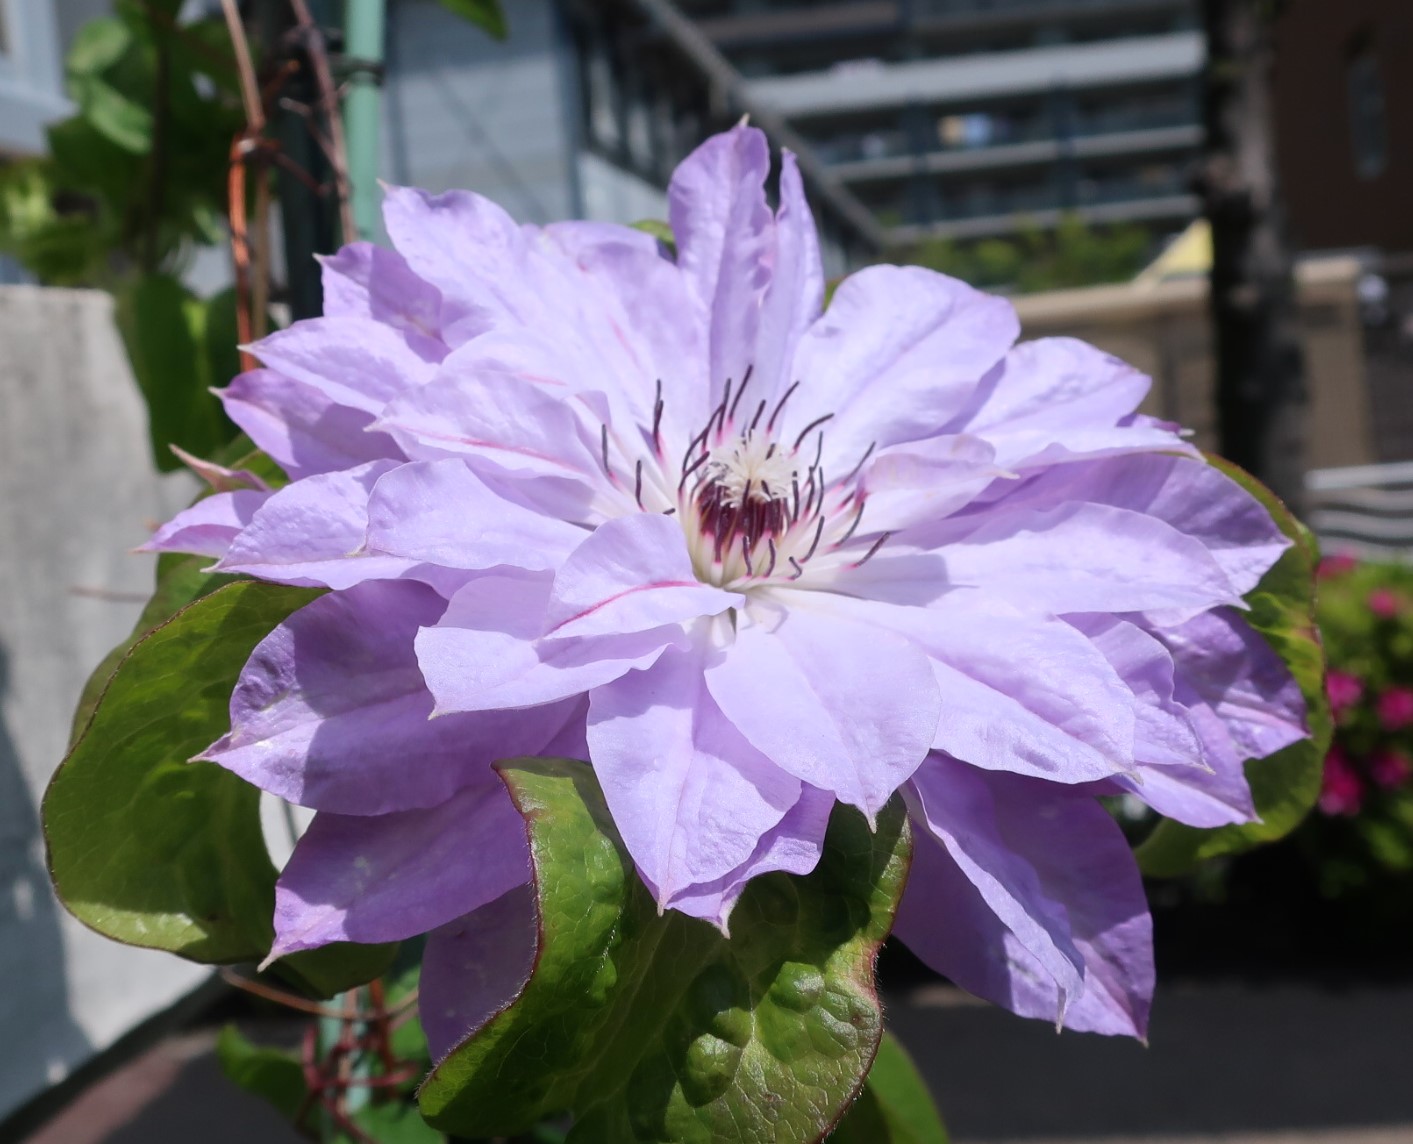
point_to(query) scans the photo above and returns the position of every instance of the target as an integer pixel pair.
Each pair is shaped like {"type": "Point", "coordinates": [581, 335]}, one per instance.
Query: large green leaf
{"type": "Point", "coordinates": [1285, 785]}
{"type": "Point", "coordinates": [149, 848]}
{"type": "Point", "coordinates": [174, 340]}
{"type": "Point", "coordinates": [894, 1106]}
{"type": "Point", "coordinates": [271, 1074]}
{"type": "Point", "coordinates": [656, 1027]}
{"type": "Point", "coordinates": [488, 15]}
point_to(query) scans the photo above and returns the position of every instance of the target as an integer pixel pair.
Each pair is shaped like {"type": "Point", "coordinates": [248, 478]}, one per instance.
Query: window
{"type": "Point", "coordinates": [1367, 121]}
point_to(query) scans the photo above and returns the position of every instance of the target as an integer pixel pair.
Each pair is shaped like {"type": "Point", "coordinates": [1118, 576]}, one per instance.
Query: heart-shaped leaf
{"type": "Point", "coordinates": [894, 1106]}
{"type": "Point", "coordinates": [656, 1027]}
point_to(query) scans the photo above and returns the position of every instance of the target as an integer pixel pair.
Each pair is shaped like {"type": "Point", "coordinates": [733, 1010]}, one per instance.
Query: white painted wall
{"type": "Point", "coordinates": [77, 492]}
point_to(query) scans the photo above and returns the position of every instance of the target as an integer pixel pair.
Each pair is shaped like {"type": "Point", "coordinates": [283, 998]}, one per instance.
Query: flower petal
{"type": "Point", "coordinates": [392, 876]}
{"type": "Point", "coordinates": [483, 654]}
{"type": "Point", "coordinates": [331, 711]}
{"type": "Point", "coordinates": [1074, 939]}
{"type": "Point", "coordinates": [312, 532]}
{"type": "Point", "coordinates": [475, 966]}
{"type": "Point", "coordinates": [793, 845]}
{"type": "Point", "coordinates": [301, 427]}
{"type": "Point", "coordinates": [691, 798]}
{"type": "Point", "coordinates": [368, 281]}
{"type": "Point", "coordinates": [795, 296]}
{"type": "Point", "coordinates": [442, 513]}
{"type": "Point", "coordinates": [841, 705]}
{"type": "Point", "coordinates": [631, 574]}
{"type": "Point", "coordinates": [357, 363]}
{"type": "Point", "coordinates": [896, 355]}
{"type": "Point", "coordinates": [725, 238]}
{"type": "Point", "coordinates": [209, 526]}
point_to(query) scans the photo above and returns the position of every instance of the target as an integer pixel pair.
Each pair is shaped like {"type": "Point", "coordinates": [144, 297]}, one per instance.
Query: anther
{"type": "Point", "coordinates": [810, 428]}
{"type": "Point", "coordinates": [877, 544]}
{"type": "Point", "coordinates": [769, 425]}
{"type": "Point", "coordinates": [855, 470]}
{"type": "Point", "coordinates": [745, 378]}
{"type": "Point", "coordinates": [603, 444]}
{"type": "Point", "coordinates": [795, 564]}
{"type": "Point", "coordinates": [638, 483]}
{"type": "Point", "coordinates": [818, 532]}
{"type": "Point", "coordinates": [746, 553]}
{"type": "Point", "coordinates": [858, 516]}
{"type": "Point", "coordinates": [770, 540]}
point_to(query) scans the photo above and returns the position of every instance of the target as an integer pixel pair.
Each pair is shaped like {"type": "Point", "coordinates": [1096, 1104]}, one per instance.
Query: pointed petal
{"type": "Point", "coordinates": [442, 513]}
{"type": "Point", "coordinates": [368, 281]}
{"type": "Point", "coordinates": [392, 876]}
{"type": "Point", "coordinates": [357, 363]}
{"type": "Point", "coordinates": [1078, 557]}
{"type": "Point", "coordinates": [1071, 939]}
{"type": "Point", "coordinates": [690, 796]}
{"type": "Point", "coordinates": [725, 237]}
{"type": "Point", "coordinates": [475, 966]}
{"type": "Point", "coordinates": [842, 705]}
{"type": "Point", "coordinates": [209, 526]}
{"type": "Point", "coordinates": [331, 711]}
{"type": "Point", "coordinates": [312, 533]}
{"type": "Point", "coordinates": [301, 427]}
{"type": "Point", "coordinates": [896, 355]}
{"type": "Point", "coordinates": [631, 574]}
{"type": "Point", "coordinates": [484, 653]}
{"type": "Point", "coordinates": [793, 845]}
{"type": "Point", "coordinates": [795, 296]}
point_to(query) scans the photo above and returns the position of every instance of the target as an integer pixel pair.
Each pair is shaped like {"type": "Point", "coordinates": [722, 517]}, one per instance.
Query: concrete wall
{"type": "Point", "coordinates": [1163, 330]}
{"type": "Point", "coordinates": [77, 492]}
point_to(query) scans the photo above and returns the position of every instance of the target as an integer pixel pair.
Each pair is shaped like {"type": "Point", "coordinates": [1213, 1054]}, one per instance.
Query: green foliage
{"type": "Point", "coordinates": [1074, 254]}
{"type": "Point", "coordinates": [273, 1075]}
{"type": "Point", "coordinates": [1285, 785]}
{"type": "Point", "coordinates": [894, 1106]}
{"type": "Point", "coordinates": [180, 348]}
{"type": "Point", "coordinates": [153, 850]}
{"type": "Point", "coordinates": [488, 15]}
{"type": "Point", "coordinates": [656, 1027]}
{"type": "Point", "coordinates": [660, 231]}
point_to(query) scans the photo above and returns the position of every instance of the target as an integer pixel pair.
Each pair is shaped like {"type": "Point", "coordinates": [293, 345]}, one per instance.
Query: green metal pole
{"type": "Point", "coordinates": [363, 32]}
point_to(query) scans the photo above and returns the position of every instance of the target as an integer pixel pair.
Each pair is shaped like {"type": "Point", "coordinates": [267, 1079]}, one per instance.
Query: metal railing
{"type": "Point", "coordinates": [1365, 510]}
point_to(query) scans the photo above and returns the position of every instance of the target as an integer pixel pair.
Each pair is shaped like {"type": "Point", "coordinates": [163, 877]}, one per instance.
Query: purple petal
{"type": "Point", "coordinates": [795, 296]}
{"type": "Point", "coordinates": [474, 967]}
{"type": "Point", "coordinates": [209, 526]}
{"type": "Point", "coordinates": [442, 513]}
{"type": "Point", "coordinates": [392, 876]}
{"type": "Point", "coordinates": [1028, 898]}
{"type": "Point", "coordinates": [312, 533]}
{"type": "Point", "coordinates": [494, 405]}
{"type": "Point", "coordinates": [896, 355]}
{"type": "Point", "coordinates": [354, 362]}
{"type": "Point", "coordinates": [631, 574]}
{"type": "Point", "coordinates": [839, 704]}
{"type": "Point", "coordinates": [926, 481]}
{"type": "Point", "coordinates": [691, 798]}
{"type": "Point", "coordinates": [302, 428]}
{"type": "Point", "coordinates": [1078, 557]}
{"type": "Point", "coordinates": [331, 711]}
{"type": "Point", "coordinates": [484, 653]}
{"type": "Point", "coordinates": [1187, 493]}
{"type": "Point", "coordinates": [374, 282]}
{"type": "Point", "coordinates": [725, 238]}
{"type": "Point", "coordinates": [1058, 398]}
{"type": "Point", "coordinates": [793, 845]}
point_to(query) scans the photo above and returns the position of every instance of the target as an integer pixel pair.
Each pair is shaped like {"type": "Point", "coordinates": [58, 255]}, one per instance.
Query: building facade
{"type": "Point", "coordinates": [975, 118]}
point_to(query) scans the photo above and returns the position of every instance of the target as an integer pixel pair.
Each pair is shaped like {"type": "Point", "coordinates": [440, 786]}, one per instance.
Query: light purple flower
{"type": "Point", "coordinates": [751, 558]}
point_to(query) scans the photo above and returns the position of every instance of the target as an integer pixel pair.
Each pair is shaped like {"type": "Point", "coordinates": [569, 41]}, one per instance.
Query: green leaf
{"type": "Point", "coordinates": [485, 14]}
{"type": "Point", "coordinates": [660, 231]}
{"type": "Point", "coordinates": [650, 1027]}
{"type": "Point", "coordinates": [333, 969]}
{"type": "Point", "coordinates": [122, 120]}
{"type": "Point", "coordinates": [171, 340]}
{"type": "Point", "coordinates": [144, 846]}
{"type": "Point", "coordinates": [894, 1107]}
{"type": "Point", "coordinates": [98, 46]}
{"type": "Point", "coordinates": [1285, 785]}
{"type": "Point", "coordinates": [396, 1122]}
{"type": "Point", "coordinates": [271, 1074]}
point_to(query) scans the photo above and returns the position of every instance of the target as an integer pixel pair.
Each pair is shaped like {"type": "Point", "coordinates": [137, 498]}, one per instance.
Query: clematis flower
{"type": "Point", "coordinates": [749, 558]}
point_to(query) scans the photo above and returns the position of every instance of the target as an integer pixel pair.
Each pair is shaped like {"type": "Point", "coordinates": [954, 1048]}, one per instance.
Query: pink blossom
{"type": "Point", "coordinates": [1384, 603]}
{"type": "Point", "coordinates": [1389, 769]}
{"type": "Point", "coordinates": [1341, 792]}
{"type": "Point", "coordinates": [1332, 567]}
{"type": "Point", "coordinates": [1395, 708]}
{"type": "Point", "coordinates": [1344, 690]}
